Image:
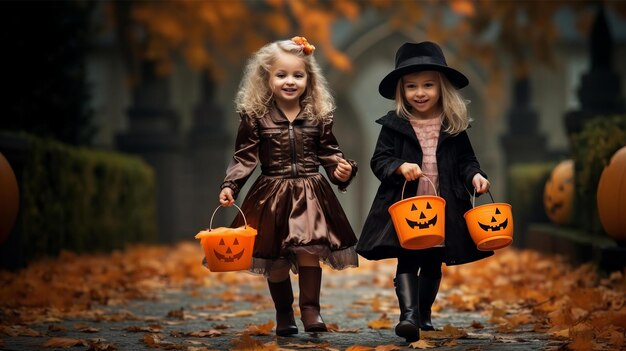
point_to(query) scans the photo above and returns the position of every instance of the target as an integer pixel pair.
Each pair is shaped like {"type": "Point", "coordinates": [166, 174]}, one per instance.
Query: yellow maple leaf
{"type": "Point", "coordinates": [260, 329]}
{"type": "Point", "coordinates": [382, 323]}
{"type": "Point", "coordinates": [421, 344]}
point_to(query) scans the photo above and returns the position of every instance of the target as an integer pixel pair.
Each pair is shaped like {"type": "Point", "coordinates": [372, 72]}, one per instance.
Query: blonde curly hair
{"type": "Point", "coordinates": [254, 96]}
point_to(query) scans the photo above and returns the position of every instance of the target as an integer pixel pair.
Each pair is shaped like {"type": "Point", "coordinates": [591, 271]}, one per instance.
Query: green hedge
{"type": "Point", "coordinates": [84, 200]}
{"type": "Point", "coordinates": [525, 193]}
{"type": "Point", "coordinates": [592, 149]}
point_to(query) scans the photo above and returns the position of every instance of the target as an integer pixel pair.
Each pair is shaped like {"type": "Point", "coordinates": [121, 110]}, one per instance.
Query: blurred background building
{"type": "Point", "coordinates": [155, 94]}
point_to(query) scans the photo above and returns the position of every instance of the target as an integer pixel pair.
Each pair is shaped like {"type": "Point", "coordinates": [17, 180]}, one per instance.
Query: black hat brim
{"type": "Point", "coordinates": [387, 87]}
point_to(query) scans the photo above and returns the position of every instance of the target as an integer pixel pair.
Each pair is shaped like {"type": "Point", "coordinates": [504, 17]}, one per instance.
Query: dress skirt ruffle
{"type": "Point", "coordinates": [297, 214]}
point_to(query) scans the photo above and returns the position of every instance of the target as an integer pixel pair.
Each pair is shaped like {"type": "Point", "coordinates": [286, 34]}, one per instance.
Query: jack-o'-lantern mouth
{"type": "Point", "coordinates": [494, 228]}
{"type": "Point", "coordinates": [554, 208]}
{"type": "Point", "coordinates": [422, 225]}
{"type": "Point", "coordinates": [229, 258]}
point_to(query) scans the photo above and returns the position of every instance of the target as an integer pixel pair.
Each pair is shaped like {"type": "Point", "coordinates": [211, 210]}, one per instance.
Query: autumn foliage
{"type": "Point", "coordinates": [518, 290]}
{"type": "Point", "coordinates": [208, 34]}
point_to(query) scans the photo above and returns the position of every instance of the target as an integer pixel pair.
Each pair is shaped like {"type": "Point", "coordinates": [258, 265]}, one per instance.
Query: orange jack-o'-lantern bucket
{"type": "Point", "coordinates": [490, 225]}
{"type": "Point", "coordinates": [419, 220]}
{"type": "Point", "coordinates": [227, 249]}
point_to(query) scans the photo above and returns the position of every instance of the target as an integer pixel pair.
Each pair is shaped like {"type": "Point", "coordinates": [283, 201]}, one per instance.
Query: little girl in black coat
{"type": "Point", "coordinates": [424, 139]}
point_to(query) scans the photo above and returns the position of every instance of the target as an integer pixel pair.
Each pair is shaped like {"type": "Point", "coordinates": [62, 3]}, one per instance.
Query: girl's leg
{"type": "Point", "coordinates": [310, 282]}
{"type": "Point", "coordinates": [406, 290]}
{"type": "Point", "coordinates": [428, 285]}
{"type": "Point", "coordinates": [279, 284]}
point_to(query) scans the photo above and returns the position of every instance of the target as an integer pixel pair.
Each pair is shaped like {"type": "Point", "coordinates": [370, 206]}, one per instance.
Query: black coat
{"type": "Point", "coordinates": [456, 164]}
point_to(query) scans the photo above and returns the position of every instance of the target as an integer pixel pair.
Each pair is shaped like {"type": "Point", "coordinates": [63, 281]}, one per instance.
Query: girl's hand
{"type": "Point", "coordinates": [480, 183]}
{"type": "Point", "coordinates": [226, 197]}
{"type": "Point", "coordinates": [343, 170]}
{"type": "Point", "coordinates": [410, 171]}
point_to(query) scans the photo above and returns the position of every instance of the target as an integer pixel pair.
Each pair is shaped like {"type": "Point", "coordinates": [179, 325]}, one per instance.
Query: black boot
{"type": "Point", "coordinates": [428, 288]}
{"type": "Point", "coordinates": [406, 290]}
{"type": "Point", "coordinates": [310, 282]}
{"type": "Point", "coordinates": [282, 294]}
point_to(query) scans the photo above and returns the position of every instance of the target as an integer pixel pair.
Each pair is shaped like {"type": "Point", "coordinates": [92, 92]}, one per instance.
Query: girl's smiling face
{"type": "Point", "coordinates": [288, 79]}
{"type": "Point", "coordinates": [422, 91]}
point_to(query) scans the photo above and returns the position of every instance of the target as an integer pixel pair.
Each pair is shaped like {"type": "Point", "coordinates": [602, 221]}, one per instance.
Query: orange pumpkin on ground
{"type": "Point", "coordinates": [9, 198]}
{"type": "Point", "coordinates": [611, 196]}
{"type": "Point", "coordinates": [558, 193]}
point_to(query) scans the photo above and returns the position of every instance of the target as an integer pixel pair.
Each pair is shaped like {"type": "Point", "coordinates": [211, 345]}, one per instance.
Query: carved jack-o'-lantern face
{"type": "Point", "coordinates": [559, 192]}
{"type": "Point", "coordinates": [225, 253]}
{"type": "Point", "coordinates": [497, 222]}
{"type": "Point", "coordinates": [425, 217]}
{"type": "Point", "coordinates": [419, 221]}
{"type": "Point", "coordinates": [490, 225]}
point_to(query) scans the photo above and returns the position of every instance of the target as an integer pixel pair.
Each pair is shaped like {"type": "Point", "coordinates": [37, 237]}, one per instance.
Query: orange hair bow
{"type": "Point", "coordinates": [306, 47]}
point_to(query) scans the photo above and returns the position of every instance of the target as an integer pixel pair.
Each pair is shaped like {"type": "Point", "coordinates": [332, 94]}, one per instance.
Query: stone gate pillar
{"type": "Point", "coordinates": [523, 142]}
{"type": "Point", "coordinates": [600, 91]}
{"type": "Point", "coordinates": [209, 145]}
{"type": "Point", "coordinates": [154, 135]}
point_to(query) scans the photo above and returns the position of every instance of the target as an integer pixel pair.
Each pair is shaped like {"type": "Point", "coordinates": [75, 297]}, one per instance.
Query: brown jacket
{"type": "Point", "coordinates": [284, 149]}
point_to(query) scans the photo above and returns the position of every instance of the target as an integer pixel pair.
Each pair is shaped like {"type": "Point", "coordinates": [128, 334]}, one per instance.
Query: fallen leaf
{"type": "Point", "coordinates": [360, 348]}
{"type": "Point", "coordinates": [477, 325]}
{"type": "Point", "coordinates": [421, 344]}
{"type": "Point", "coordinates": [86, 328]}
{"type": "Point", "coordinates": [260, 329]}
{"type": "Point", "coordinates": [581, 345]}
{"type": "Point", "coordinates": [200, 333]}
{"type": "Point", "coordinates": [247, 343]}
{"type": "Point", "coordinates": [64, 342]}
{"type": "Point", "coordinates": [382, 323]}
{"type": "Point", "coordinates": [308, 345]}
{"type": "Point", "coordinates": [180, 314]}
{"type": "Point", "coordinates": [99, 346]}
{"type": "Point", "coordinates": [149, 329]}
{"type": "Point", "coordinates": [18, 330]}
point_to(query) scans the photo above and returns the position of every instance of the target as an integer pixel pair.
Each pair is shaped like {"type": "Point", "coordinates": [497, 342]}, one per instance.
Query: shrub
{"type": "Point", "coordinates": [84, 200]}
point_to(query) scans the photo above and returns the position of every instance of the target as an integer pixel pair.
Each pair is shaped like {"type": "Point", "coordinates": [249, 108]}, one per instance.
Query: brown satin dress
{"type": "Point", "coordinates": [291, 204]}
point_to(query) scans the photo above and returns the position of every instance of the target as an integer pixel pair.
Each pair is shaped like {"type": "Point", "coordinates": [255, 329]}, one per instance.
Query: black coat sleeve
{"type": "Point", "coordinates": [468, 163]}
{"type": "Point", "coordinates": [386, 158]}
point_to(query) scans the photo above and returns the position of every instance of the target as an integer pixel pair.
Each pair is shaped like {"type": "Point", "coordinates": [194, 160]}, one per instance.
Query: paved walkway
{"type": "Point", "coordinates": [232, 310]}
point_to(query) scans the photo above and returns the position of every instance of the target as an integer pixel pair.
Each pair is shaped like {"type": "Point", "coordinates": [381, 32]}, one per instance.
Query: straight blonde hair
{"type": "Point", "coordinates": [255, 97]}
{"type": "Point", "coordinates": [455, 118]}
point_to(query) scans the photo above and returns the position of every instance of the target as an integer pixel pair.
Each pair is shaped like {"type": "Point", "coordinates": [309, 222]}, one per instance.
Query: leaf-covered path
{"type": "Point", "coordinates": [160, 297]}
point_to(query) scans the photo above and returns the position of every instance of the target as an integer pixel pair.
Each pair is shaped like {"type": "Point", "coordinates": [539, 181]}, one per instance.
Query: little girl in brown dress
{"type": "Point", "coordinates": [286, 126]}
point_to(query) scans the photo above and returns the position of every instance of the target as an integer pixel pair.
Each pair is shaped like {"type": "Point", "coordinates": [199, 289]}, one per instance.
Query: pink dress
{"type": "Point", "coordinates": [427, 132]}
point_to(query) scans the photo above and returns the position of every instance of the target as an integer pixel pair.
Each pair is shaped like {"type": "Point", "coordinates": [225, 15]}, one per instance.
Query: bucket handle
{"type": "Point", "coordinates": [218, 207]}
{"type": "Point", "coordinates": [430, 181]}
{"type": "Point", "coordinates": [474, 197]}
